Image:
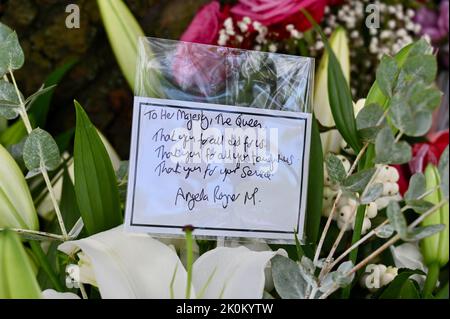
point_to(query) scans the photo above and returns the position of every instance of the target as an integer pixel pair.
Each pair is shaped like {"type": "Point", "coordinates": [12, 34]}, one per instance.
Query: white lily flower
{"type": "Point", "coordinates": [408, 255]}
{"type": "Point", "coordinates": [53, 294]}
{"type": "Point", "coordinates": [137, 266]}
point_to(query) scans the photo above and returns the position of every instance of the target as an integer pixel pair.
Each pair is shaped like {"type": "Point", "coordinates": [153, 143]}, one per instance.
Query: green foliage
{"type": "Point", "coordinates": [315, 182]}
{"type": "Point", "coordinates": [95, 180]}
{"type": "Point", "coordinates": [287, 278]}
{"type": "Point", "coordinates": [388, 151]}
{"type": "Point", "coordinates": [11, 54]}
{"type": "Point", "coordinates": [443, 172]}
{"type": "Point", "coordinates": [370, 121]}
{"type": "Point", "coordinates": [9, 102]}
{"type": "Point", "coordinates": [335, 168]}
{"type": "Point", "coordinates": [40, 152]}
{"type": "Point", "coordinates": [357, 182]}
{"type": "Point", "coordinates": [17, 279]}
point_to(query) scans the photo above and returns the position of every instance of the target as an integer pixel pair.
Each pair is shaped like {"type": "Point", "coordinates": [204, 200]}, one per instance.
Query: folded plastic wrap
{"type": "Point", "coordinates": [174, 70]}
{"type": "Point", "coordinates": [212, 74]}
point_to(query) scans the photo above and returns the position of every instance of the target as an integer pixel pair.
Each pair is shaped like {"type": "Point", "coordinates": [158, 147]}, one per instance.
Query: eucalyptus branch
{"type": "Point", "coordinates": [29, 232]}
{"type": "Point", "coordinates": [326, 268]}
{"type": "Point", "coordinates": [26, 121]}
{"type": "Point", "coordinates": [387, 244]}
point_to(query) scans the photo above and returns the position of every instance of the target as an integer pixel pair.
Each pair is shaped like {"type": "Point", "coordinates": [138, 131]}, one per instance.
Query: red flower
{"type": "Point", "coordinates": [273, 12]}
{"type": "Point", "coordinates": [206, 24]}
{"type": "Point", "coordinates": [423, 154]}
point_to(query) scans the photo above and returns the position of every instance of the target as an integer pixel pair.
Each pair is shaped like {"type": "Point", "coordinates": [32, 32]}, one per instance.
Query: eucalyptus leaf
{"type": "Point", "coordinates": [423, 97]}
{"type": "Point", "coordinates": [41, 151]}
{"type": "Point", "coordinates": [443, 172]}
{"type": "Point", "coordinates": [420, 47]}
{"type": "Point", "coordinates": [396, 219]}
{"type": "Point", "coordinates": [421, 67]}
{"type": "Point", "coordinates": [417, 187]}
{"type": "Point", "coordinates": [335, 168]}
{"type": "Point", "coordinates": [357, 182]}
{"type": "Point", "coordinates": [419, 206]}
{"type": "Point", "coordinates": [389, 152]}
{"type": "Point", "coordinates": [373, 193]}
{"type": "Point", "coordinates": [420, 233]}
{"type": "Point", "coordinates": [413, 122]}
{"type": "Point", "coordinates": [385, 232]}
{"type": "Point", "coordinates": [341, 277]}
{"type": "Point", "coordinates": [368, 122]}
{"type": "Point", "coordinates": [11, 54]}
{"type": "Point", "coordinates": [289, 282]}
{"type": "Point", "coordinates": [387, 73]}
{"type": "Point", "coordinates": [9, 102]}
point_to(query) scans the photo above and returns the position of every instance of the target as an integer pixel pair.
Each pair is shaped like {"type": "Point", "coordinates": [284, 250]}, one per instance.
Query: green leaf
{"type": "Point", "coordinates": [68, 204]}
{"type": "Point", "coordinates": [420, 47]}
{"type": "Point", "coordinates": [419, 206]}
{"type": "Point", "coordinates": [421, 67]}
{"type": "Point", "coordinates": [373, 193]}
{"type": "Point", "coordinates": [339, 94]}
{"type": "Point", "coordinates": [11, 54]}
{"type": "Point", "coordinates": [368, 121]}
{"type": "Point", "coordinates": [340, 277]}
{"type": "Point", "coordinates": [413, 122]}
{"type": "Point", "coordinates": [443, 172]}
{"type": "Point", "coordinates": [385, 232]}
{"type": "Point", "coordinates": [9, 102]}
{"type": "Point", "coordinates": [287, 278]}
{"type": "Point", "coordinates": [389, 152]}
{"type": "Point", "coordinates": [95, 180]}
{"type": "Point", "coordinates": [387, 73]}
{"type": "Point", "coordinates": [420, 233]}
{"type": "Point", "coordinates": [315, 184]}
{"type": "Point", "coordinates": [396, 219]}
{"type": "Point", "coordinates": [417, 187]}
{"type": "Point", "coordinates": [335, 168]}
{"type": "Point", "coordinates": [358, 181]}
{"type": "Point", "coordinates": [40, 151]}
{"type": "Point", "coordinates": [40, 106]}
{"type": "Point", "coordinates": [423, 97]}
{"type": "Point", "coordinates": [402, 287]}
{"type": "Point", "coordinates": [17, 279]}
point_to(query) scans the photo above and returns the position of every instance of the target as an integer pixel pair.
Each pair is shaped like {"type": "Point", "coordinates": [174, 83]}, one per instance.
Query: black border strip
{"type": "Point", "coordinates": [162, 104]}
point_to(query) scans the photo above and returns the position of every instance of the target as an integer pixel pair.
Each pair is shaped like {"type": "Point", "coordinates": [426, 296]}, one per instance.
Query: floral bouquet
{"type": "Point", "coordinates": [377, 219]}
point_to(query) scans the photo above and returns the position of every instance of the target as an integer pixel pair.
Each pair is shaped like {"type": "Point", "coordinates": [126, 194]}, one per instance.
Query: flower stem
{"type": "Point", "coordinates": [26, 121]}
{"type": "Point", "coordinates": [189, 256]}
{"type": "Point", "coordinates": [432, 278]}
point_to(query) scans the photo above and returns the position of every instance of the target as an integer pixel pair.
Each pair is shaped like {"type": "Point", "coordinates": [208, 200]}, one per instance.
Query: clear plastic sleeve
{"type": "Point", "coordinates": [190, 72]}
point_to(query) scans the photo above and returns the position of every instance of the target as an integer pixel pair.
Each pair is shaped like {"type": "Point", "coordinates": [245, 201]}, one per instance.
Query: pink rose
{"type": "Point", "coordinates": [271, 12]}
{"type": "Point", "coordinates": [199, 70]}
{"type": "Point", "coordinates": [205, 26]}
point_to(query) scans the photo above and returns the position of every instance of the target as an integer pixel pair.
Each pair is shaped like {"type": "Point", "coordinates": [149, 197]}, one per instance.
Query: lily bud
{"type": "Point", "coordinates": [17, 279]}
{"type": "Point", "coordinates": [435, 249]}
{"type": "Point", "coordinates": [16, 205]}
{"type": "Point", "coordinates": [331, 141]}
{"type": "Point", "coordinates": [123, 32]}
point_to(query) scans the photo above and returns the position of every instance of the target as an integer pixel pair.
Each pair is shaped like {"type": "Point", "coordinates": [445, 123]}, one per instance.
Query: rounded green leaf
{"type": "Point", "coordinates": [41, 151]}
{"type": "Point", "coordinates": [9, 102]}
{"type": "Point", "coordinates": [11, 54]}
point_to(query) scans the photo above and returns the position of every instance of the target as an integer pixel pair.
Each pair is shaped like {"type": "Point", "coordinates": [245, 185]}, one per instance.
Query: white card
{"type": "Point", "coordinates": [228, 171]}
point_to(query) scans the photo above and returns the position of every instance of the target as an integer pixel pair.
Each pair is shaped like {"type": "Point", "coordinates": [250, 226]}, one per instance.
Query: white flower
{"type": "Point", "coordinates": [408, 255]}
{"type": "Point", "coordinates": [137, 266]}
{"type": "Point", "coordinates": [53, 294]}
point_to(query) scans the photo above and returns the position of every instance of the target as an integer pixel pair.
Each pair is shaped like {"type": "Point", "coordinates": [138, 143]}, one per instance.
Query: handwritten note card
{"type": "Point", "coordinates": [228, 171]}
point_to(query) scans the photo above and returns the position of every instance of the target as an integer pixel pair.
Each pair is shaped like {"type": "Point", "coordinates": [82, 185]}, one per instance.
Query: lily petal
{"type": "Point", "coordinates": [131, 265]}
{"type": "Point", "coordinates": [231, 273]}
{"type": "Point", "coordinates": [53, 294]}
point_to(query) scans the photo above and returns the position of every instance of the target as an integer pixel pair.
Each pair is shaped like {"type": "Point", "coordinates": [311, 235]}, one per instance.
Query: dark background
{"type": "Point", "coordinates": [96, 80]}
